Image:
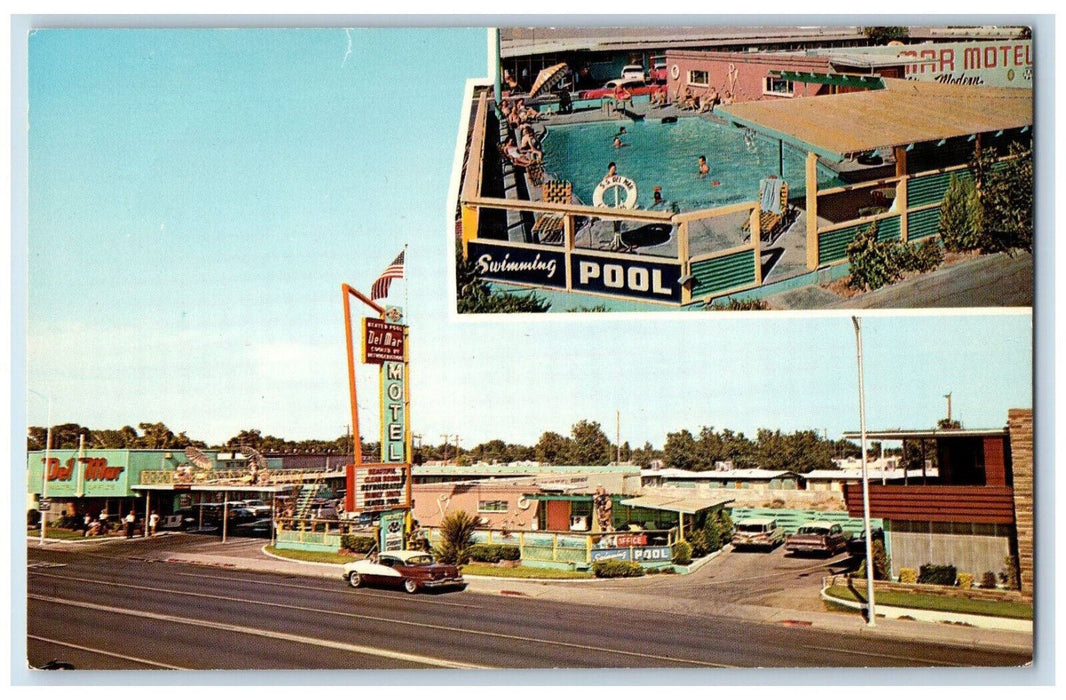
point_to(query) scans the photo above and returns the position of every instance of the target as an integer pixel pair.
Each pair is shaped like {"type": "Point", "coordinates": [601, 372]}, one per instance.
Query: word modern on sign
{"type": "Point", "coordinates": [382, 342]}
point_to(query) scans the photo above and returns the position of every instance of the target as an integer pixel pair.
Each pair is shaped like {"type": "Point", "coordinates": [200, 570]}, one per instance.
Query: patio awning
{"type": "Point", "coordinates": [866, 82]}
{"type": "Point", "coordinates": [689, 505]}
{"type": "Point", "coordinates": [904, 113]}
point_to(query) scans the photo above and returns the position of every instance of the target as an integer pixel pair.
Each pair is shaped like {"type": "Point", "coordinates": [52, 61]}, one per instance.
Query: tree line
{"type": "Point", "coordinates": [586, 445]}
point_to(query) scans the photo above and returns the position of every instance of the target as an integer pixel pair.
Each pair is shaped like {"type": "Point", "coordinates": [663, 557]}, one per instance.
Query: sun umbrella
{"type": "Point", "coordinates": [547, 79]}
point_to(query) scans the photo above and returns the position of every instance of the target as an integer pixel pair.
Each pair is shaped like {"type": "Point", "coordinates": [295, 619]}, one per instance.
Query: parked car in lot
{"type": "Point", "coordinates": [857, 544]}
{"type": "Point", "coordinates": [410, 569]}
{"type": "Point", "coordinates": [254, 528]}
{"type": "Point", "coordinates": [817, 537]}
{"type": "Point", "coordinates": [633, 71]}
{"type": "Point", "coordinates": [258, 508]}
{"type": "Point", "coordinates": [758, 532]}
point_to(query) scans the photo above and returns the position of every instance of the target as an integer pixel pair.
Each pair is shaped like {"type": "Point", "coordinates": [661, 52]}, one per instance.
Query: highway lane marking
{"type": "Point", "coordinates": [392, 621]}
{"type": "Point", "coordinates": [322, 590]}
{"type": "Point", "coordinates": [101, 652]}
{"type": "Point", "coordinates": [269, 634]}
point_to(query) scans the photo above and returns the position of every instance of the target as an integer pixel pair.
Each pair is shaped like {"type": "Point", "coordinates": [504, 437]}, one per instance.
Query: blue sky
{"type": "Point", "coordinates": [198, 197]}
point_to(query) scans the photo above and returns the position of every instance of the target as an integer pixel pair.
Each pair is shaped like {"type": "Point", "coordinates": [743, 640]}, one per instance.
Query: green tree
{"type": "Point", "coordinates": [883, 35]}
{"type": "Point", "coordinates": [680, 450]}
{"type": "Point", "coordinates": [552, 448]}
{"type": "Point", "coordinates": [456, 537]}
{"type": "Point", "coordinates": [643, 457]}
{"type": "Point", "coordinates": [960, 216]}
{"type": "Point", "coordinates": [251, 437]}
{"type": "Point", "coordinates": [589, 445]}
{"type": "Point", "coordinates": [1005, 189]}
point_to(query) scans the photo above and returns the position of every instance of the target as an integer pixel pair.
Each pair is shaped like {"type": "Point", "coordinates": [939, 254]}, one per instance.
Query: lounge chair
{"type": "Point", "coordinates": [773, 207]}
{"type": "Point", "coordinates": [549, 227]}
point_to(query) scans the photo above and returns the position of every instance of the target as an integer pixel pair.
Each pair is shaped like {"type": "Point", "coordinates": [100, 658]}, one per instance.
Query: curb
{"type": "Point", "coordinates": [296, 561]}
{"type": "Point", "coordinates": [894, 612]}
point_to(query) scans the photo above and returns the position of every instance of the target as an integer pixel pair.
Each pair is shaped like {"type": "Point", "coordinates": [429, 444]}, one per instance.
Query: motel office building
{"type": "Point", "coordinates": [111, 481]}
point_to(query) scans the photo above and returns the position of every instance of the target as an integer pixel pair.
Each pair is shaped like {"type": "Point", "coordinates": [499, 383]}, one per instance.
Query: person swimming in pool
{"type": "Point", "coordinates": [704, 168]}
{"type": "Point", "coordinates": [610, 170]}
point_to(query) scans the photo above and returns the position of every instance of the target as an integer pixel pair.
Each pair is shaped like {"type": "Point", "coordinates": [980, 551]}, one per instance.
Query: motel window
{"type": "Point", "coordinates": [698, 77]}
{"type": "Point", "coordinates": [492, 506]}
{"type": "Point", "coordinates": [777, 86]}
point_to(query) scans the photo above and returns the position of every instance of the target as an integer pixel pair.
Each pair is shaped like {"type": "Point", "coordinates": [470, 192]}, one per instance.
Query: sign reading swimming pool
{"type": "Point", "coordinates": [545, 268]}
{"type": "Point", "coordinates": [631, 278]}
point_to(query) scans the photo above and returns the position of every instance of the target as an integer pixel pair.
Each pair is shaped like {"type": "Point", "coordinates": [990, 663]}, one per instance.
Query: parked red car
{"type": "Point", "coordinates": [818, 537]}
{"type": "Point", "coordinates": [410, 569]}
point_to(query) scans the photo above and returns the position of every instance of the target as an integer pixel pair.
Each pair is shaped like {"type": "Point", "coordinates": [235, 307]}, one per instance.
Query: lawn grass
{"type": "Point", "coordinates": [475, 569]}
{"type": "Point", "coordinates": [924, 601]}
{"type": "Point", "coordinates": [55, 533]}
{"type": "Point", "coordinates": [315, 557]}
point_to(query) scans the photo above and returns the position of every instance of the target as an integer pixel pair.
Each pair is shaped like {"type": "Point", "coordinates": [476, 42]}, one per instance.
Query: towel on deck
{"type": "Point", "coordinates": [770, 194]}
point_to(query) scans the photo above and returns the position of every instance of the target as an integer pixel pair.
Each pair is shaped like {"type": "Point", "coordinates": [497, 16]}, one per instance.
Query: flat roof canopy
{"type": "Point", "coordinates": [676, 504]}
{"type": "Point", "coordinates": [244, 488]}
{"type": "Point", "coordinates": [926, 434]}
{"type": "Point", "coordinates": [904, 113]}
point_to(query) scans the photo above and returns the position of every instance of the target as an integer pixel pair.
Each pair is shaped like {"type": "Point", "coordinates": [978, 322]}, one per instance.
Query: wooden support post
{"type": "Point", "coordinates": [568, 247]}
{"type": "Point", "coordinates": [683, 257]}
{"type": "Point", "coordinates": [901, 191]}
{"type": "Point", "coordinates": [756, 244]}
{"type": "Point", "coordinates": [812, 210]}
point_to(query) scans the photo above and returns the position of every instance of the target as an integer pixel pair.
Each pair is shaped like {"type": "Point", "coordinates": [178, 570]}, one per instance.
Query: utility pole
{"type": "Point", "coordinates": [865, 483]}
{"type": "Point", "coordinates": [618, 436]}
{"type": "Point", "coordinates": [445, 436]}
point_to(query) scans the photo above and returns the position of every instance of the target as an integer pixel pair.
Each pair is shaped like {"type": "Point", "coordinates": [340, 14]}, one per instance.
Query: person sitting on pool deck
{"type": "Point", "coordinates": [704, 168]}
{"type": "Point", "coordinates": [709, 100]}
{"type": "Point", "coordinates": [514, 155]}
{"type": "Point", "coordinates": [529, 145]}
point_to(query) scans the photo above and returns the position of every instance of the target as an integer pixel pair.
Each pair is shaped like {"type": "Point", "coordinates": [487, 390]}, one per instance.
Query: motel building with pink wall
{"type": "Point", "coordinates": [772, 75]}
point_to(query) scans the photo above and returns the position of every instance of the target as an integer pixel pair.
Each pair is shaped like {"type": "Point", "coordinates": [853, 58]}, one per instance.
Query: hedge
{"type": "Point", "coordinates": [360, 544]}
{"type": "Point", "coordinates": [615, 568]}
{"type": "Point", "coordinates": [493, 553]}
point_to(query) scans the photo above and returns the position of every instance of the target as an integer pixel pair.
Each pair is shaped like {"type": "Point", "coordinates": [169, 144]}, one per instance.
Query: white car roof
{"type": "Point", "coordinates": [818, 523]}
{"type": "Point", "coordinates": [755, 521]}
{"type": "Point", "coordinates": [404, 554]}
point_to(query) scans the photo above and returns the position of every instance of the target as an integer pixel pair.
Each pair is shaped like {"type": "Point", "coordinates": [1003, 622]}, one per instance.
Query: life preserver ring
{"type": "Point", "coordinates": [675, 72]}
{"type": "Point", "coordinates": [616, 183]}
{"type": "Point", "coordinates": [523, 503]}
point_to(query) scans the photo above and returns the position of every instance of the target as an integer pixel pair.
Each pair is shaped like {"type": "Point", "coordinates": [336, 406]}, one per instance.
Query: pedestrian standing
{"type": "Point", "coordinates": [130, 521]}
{"type": "Point", "coordinates": [86, 522]}
{"type": "Point", "coordinates": [153, 523]}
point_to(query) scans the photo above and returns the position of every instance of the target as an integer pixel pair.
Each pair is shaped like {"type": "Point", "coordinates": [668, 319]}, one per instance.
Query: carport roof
{"type": "Point", "coordinates": [904, 113]}
{"type": "Point", "coordinates": [689, 505]}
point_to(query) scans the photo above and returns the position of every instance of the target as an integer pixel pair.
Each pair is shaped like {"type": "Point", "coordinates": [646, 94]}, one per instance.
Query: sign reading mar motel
{"type": "Point", "coordinates": [382, 341]}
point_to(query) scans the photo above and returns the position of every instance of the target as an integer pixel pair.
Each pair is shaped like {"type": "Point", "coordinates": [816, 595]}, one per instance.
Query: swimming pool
{"type": "Point", "coordinates": [666, 155]}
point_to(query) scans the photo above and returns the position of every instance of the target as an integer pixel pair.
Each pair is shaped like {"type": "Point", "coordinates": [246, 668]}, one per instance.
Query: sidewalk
{"type": "Point", "coordinates": [637, 598]}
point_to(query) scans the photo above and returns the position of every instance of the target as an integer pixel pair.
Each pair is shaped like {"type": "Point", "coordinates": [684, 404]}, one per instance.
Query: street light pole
{"type": "Point", "coordinates": [47, 459]}
{"type": "Point", "coordinates": [865, 483]}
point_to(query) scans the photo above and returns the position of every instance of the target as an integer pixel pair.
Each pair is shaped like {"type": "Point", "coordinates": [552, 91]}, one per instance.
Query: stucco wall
{"type": "Point", "coordinates": [741, 74]}
{"type": "Point", "coordinates": [969, 548]}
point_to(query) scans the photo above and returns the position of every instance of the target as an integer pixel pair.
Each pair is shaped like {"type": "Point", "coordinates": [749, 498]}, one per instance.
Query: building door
{"type": "Point", "coordinates": [557, 515]}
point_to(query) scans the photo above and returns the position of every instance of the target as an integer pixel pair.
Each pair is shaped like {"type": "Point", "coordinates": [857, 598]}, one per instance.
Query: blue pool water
{"type": "Point", "coordinates": [666, 155]}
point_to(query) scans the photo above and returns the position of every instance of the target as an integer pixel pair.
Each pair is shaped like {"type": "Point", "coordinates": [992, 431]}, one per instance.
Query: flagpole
{"type": "Point", "coordinates": [406, 309]}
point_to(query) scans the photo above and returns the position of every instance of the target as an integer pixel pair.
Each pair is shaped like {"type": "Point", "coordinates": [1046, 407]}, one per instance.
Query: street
{"type": "Point", "coordinates": [118, 606]}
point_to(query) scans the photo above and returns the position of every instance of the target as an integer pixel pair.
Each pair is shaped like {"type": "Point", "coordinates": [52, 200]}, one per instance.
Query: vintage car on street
{"type": "Point", "coordinates": [413, 570]}
{"type": "Point", "coordinates": [758, 532]}
{"type": "Point", "coordinates": [817, 537]}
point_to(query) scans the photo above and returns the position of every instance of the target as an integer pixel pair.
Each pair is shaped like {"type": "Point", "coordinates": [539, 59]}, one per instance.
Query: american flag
{"type": "Point", "coordinates": [394, 271]}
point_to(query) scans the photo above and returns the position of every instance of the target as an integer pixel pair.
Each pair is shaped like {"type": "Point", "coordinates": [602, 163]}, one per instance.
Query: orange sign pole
{"type": "Point", "coordinates": [357, 446]}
